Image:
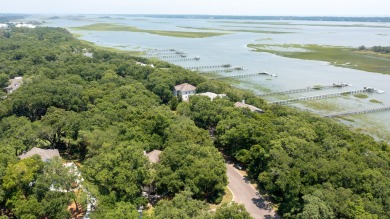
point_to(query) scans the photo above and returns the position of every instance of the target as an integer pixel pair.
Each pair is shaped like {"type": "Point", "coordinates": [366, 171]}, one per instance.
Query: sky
{"type": "Point", "coordinates": [210, 7]}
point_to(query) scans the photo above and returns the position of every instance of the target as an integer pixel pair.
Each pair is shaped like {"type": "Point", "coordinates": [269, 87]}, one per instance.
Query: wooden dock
{"type": "Point", "coordinates": [208, 67]}
{"type": "Point", "coordinates": [308, 89]}
{"type": "Point", "coordinates": [165, 56]}
{"type": "Point", "coordinates": [357, 112]}
{"type": "Point", "coordinates": [236, 76]}
{"type": "Point", "coordinates": [223, 70]}
{"type": "Point", "coordinates": [319, 97]}
{"type": "Point", "coordinates": [160, 50]}
{"type": "Point", "coordinates": [183, 59]}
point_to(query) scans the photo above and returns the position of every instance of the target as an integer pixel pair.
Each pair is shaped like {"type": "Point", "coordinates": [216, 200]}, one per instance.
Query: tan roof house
{"type": "Point", "coordinates": [153, 156]}
{"type": "Point", "coordinates": [43, 153]}
{"type": "Point", "coordinates": [185, 90]}
{"type": "Point", "coordinates": [250, 107]}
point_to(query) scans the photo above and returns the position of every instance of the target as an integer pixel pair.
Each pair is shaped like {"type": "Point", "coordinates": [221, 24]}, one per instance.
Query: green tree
{"type": "Point", "coordinates": [3, 80]}
{"type": "Point", "coordinates": [232, 210]}
{"type": "Point", "coordinates": [182, 206]}
{"type": "Point", "coordinates": [198, 168]}
{"type": "Point", "coordinates": [118, 170]}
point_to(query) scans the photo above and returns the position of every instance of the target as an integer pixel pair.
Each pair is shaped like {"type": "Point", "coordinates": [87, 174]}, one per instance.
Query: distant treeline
{"type": "Point", "coordinates": [288, 18]}
{"type": "Point", "coordinates": [7, 17]}
{"type": "Point", "coordinates": [379, 49]}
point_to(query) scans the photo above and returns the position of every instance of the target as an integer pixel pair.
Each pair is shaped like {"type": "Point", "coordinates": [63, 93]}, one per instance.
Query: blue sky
{"type": "Point", "coordinates": [223, 7]}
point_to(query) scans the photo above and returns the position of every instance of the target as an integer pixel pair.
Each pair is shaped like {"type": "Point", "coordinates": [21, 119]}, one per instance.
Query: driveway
{"type": "Point", "coordinates": [244, 193]}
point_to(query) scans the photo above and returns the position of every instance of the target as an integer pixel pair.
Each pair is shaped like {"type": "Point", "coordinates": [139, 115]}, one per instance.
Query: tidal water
{"type": "Point", "coordinates": [232, 49]}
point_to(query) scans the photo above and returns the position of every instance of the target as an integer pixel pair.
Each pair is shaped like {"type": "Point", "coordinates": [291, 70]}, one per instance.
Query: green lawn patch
{"type": "Point", "coordinates": [227, 198]}
{"type": "Point", "coordinates": [339, 56]}
{"type": "Point", "coordinates": [118, 27]}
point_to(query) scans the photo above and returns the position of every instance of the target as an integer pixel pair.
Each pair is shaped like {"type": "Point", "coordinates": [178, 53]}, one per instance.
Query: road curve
{"type": "Point", "coordinates": [244, 193]}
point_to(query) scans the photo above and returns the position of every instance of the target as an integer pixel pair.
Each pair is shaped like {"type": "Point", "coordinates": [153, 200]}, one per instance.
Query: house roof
{"type": "Point", "coordinates": [185, 87]}
{"type": "Point", "coordinates": [244, 105]}
{"type": "Point", "coordinates": [14, 84]}
{"type": "Point", "coordinates": [154, 156]}
{"type": "Point", "coordinates": [43, 153]}
{"type": "Point", "coordinates": [212, 95]}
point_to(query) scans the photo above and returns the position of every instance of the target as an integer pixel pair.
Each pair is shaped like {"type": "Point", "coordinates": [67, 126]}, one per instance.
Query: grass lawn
{"type": "Point", "coordinates": [228, 197]}
{"type": "Point", "coordinates": [339, 56]}
{"type": "Point", "coordinates": [118, 27]}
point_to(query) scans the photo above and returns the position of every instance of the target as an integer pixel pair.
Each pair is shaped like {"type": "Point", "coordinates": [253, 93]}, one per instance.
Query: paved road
{"type": "Point", "coordinates": [244, 193]}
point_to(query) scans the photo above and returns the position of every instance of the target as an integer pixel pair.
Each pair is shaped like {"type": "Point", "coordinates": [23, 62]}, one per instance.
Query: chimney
{"type": "Point", "coordinates": [243, 101]}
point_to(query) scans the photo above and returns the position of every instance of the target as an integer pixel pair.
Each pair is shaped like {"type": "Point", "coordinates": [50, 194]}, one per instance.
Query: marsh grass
{"type": "Point", "coordinates": [96, 47]}
{"type": "Point", "coordinates": [373, 127]}
{"type": "Point", "coordinates": [361, 96]}
{"type": "Point", "coordinates": [118, 27]}
{"type": "Point", "coordinates": [277, 23]}
{"type": "Point", "coordinates": [237, 30]}
{"type": "Point", "coordinates": [323, 105]}
{"type": "Point", "coordinates": [339, 56]}
{"type": "Point", "coordinates": [375, 101]}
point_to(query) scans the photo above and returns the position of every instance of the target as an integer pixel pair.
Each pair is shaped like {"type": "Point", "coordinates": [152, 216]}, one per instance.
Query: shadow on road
{"type": "Point", "coordinates": [247, 179]}
{"type": "Point", "coordinates": [260, 203]}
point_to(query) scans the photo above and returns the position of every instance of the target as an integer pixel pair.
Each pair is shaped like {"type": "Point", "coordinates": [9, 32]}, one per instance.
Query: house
{"type": "Point", "coordinates": [14, 84]}
{"type": "Point", "coordinates": [151, 188]}
{"type": "Point", "coordinates": [143, 64]}
{"type": "Point", "coordinates": [25, 25]}
{"type": "Point", "coordinates": [153, 156]}
{"type": "Point", "coordinates": [211, 95]}
{"type": "Point", "coordinates": [88, 54]}
{"type": "Point", "coordinates": [250, 107]}
{"type": "Point", "coordinates": [184, 90]}
{"type": "Point", "coordinates": [43, 153]}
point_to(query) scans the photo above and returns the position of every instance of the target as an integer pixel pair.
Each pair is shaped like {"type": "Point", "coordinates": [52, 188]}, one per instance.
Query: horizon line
{"type": "Point", "coordinates": [184, 14]}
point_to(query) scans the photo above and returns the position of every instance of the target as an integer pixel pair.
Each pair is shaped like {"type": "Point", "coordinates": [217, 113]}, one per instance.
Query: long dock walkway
{"type": "Point", "coordinates": [302, 90]}
{"type": "Point", "coordinates": [166, 56]}
{"type": "Point", "coordinates": [357, 112]}
{"type": "Point", "coordinates": [208, 67]}
{"type": "Point", "coordinates": [223, 70]}
{"type": "Point", "coordinates": [319, 97]}
{"type": "Point", "coordinates": [183, 59]}
{"type": "Point", "coordinates": [235, 76]}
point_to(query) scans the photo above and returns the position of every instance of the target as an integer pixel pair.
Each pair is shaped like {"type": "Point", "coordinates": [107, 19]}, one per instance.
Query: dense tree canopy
{"type": "Point", "coordinates": [105, 110]}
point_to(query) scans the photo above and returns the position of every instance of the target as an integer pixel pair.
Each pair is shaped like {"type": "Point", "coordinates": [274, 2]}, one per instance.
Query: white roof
{"type": "Point", "coordinates": [212, 95]}
{"type": "Point", "coordinates": [185, 87]}
{"type": "Point", "coordinates": [25, 25]}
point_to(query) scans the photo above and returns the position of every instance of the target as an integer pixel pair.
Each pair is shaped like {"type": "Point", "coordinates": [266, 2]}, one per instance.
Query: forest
{"type": "Point", "coordinates": [104, 111]}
